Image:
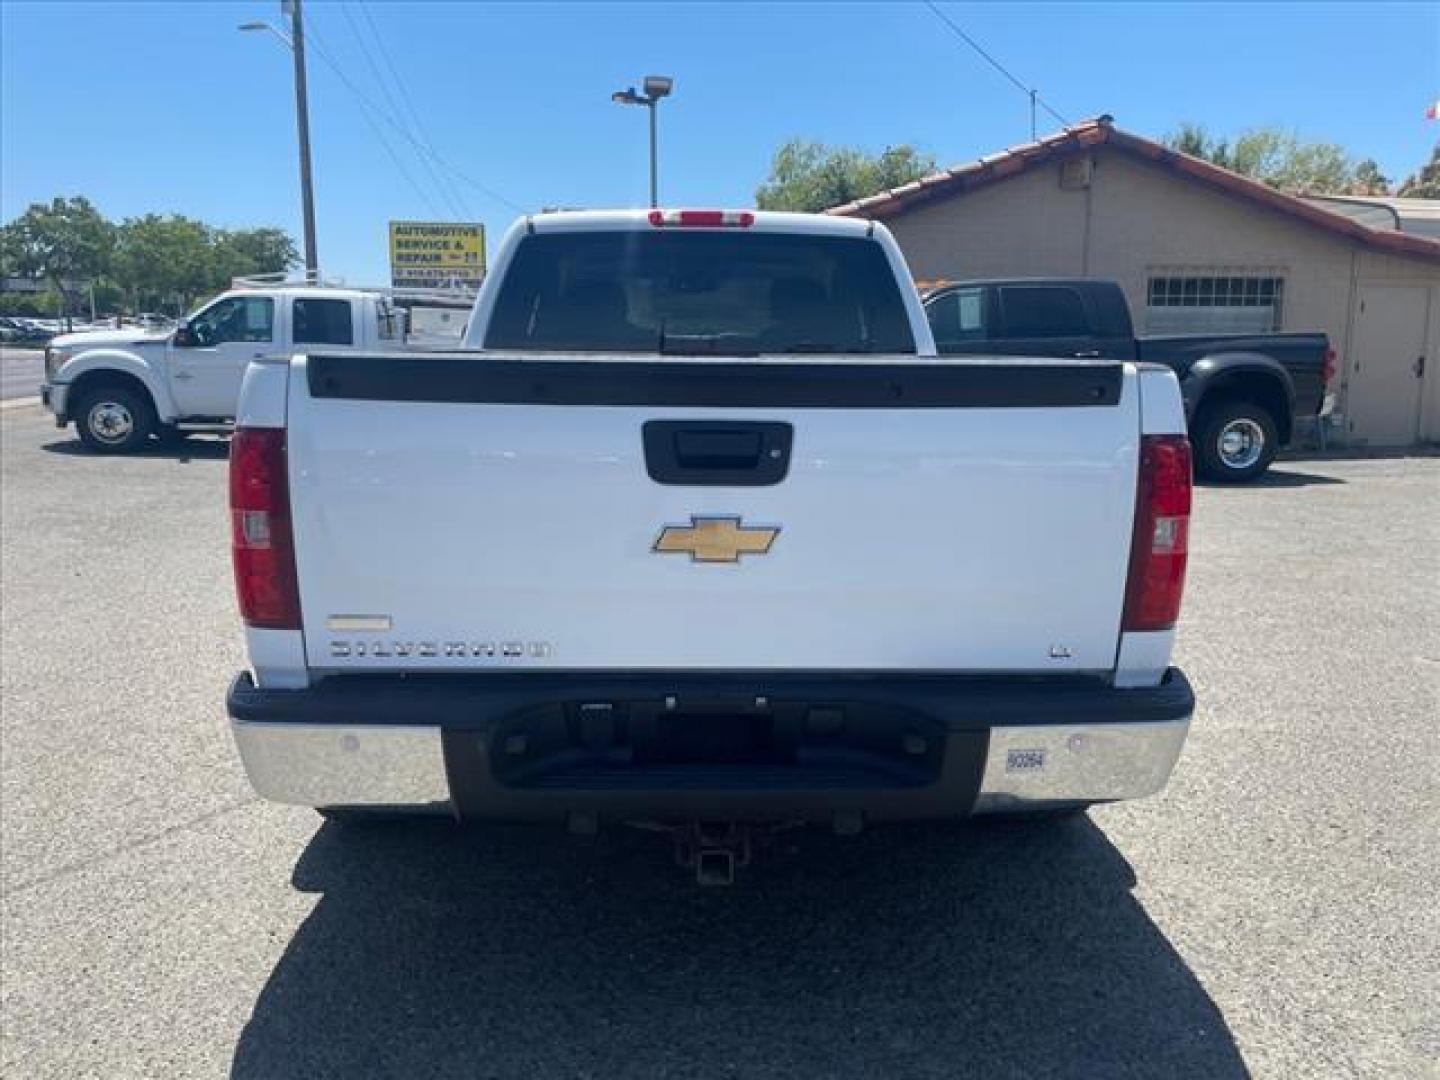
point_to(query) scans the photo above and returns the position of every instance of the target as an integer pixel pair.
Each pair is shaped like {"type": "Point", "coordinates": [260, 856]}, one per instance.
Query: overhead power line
{"type": "Point", "coordinates": [367, 107]}
{"type": "Point", "coordinates": [1029, 91]}
{"type": "Point", "coordinates": [413, 113]}
{"type": "Point", "coordinates": [398, 117]}
{"type": "Point", "coordinates": [433, 155]}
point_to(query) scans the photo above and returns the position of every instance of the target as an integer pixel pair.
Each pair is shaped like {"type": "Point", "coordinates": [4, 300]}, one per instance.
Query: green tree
{"type": "Point", "coordinates": [154, 261]}
{"type": "Point", "coordinates": [1278, 158]}
{"type": "Point", "coordinates": [164, 262]}
{"type": "Point", "coordinates": [811, 176]}
{"type": "Point", "coordinates": [1194, 140]}
{"type": "Point", "coordinates": [167, 262]}
{"type": "Point", "coordinates": [1369, 180]}
{"type": "Point", "coordinates": [253, 251]}
{"type": "Point", "coordinates": [68, 242]}
{"type": "Point", "coordinates": [11, 254]}
{"type": "Point", "coordinates": [27, 305]}
{"type": "Point", "coordinates": [1425, 183]}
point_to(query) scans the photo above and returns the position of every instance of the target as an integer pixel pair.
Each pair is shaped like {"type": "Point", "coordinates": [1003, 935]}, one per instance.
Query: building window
{"type": "Point", "coordinates": [1240, 303]}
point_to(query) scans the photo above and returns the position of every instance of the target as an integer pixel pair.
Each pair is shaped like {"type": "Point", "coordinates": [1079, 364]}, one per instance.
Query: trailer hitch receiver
{"type": "Point", "coordinates": [714, 850]}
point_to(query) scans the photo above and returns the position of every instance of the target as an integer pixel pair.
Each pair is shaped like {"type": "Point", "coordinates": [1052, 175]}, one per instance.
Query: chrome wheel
{"type": "Point", "coordinates": [1240, 443]}
{"type": "Point", "coordinates": [110, 421]}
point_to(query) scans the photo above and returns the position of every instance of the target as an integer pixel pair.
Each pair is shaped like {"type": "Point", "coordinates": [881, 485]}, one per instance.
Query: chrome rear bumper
{"type": "Point", "coordinates": [335, 765]}
{"type": "Point", "coordinates": [331, 761]}
{"type": "Point", "coordinates": [1064, 765]}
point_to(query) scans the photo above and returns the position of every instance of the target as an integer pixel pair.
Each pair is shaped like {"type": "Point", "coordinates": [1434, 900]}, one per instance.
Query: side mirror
{"type": "Point", "coordinates": [184, 337]}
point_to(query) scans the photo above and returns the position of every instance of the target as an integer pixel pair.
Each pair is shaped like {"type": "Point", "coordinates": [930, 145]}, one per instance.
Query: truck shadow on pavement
{"type": "Point", "coordinates": [1284, 477]}
{"type": "Point", "coordinates": [203, 448]}
{"type": "Point", "coordinates": [985, 950]}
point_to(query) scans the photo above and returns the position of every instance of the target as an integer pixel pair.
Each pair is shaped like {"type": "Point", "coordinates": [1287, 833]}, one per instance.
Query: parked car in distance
{"type": "Point", "coordinates": [123, 387]}
{"type": "Point", "coordinates": [17, 331]}
{"type": "Point", "coordinates": [700, 531]}
{"type": "Point", "coordinates": [149, 320]}
{"type": "Point", "coordinates": [1242, 392]}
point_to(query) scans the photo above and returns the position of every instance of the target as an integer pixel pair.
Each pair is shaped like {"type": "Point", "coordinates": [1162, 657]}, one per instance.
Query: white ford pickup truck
{"type": "Point", "coordinates": [703, 533]}
{"type": "Point", "coordinates": [123, 387]}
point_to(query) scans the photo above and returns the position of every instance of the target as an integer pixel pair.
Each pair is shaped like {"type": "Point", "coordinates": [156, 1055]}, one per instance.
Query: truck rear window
{"type": "Point", "coordinates": [1036, 311]}
{"type": "Point", "coordinates": [699, 293]}
{"type": "Point", "coordinates": [317, 321]}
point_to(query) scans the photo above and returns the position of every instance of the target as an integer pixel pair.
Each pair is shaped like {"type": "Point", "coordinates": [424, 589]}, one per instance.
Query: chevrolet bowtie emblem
{"type": "Point", "coordinates": [716, 539]}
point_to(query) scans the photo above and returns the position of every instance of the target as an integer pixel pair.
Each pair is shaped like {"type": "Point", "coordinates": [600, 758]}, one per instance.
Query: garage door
{"type": "Point", "coordinates": [1387, 373]}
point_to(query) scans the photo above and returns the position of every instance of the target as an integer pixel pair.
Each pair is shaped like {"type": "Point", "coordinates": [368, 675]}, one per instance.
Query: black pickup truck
{"type": "Point", "coordinates": [1242, 392]}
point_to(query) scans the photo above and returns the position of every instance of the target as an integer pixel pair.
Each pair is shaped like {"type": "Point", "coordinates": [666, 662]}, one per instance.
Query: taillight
{"type": "Point", "coordinates": [1160, 546]}
{"type": "Point", "coordinates": [702, 219]}
{"type": "Point", "coordinates": [1327, 371]}
{"type": "Point", "coordinates": [261, 542]}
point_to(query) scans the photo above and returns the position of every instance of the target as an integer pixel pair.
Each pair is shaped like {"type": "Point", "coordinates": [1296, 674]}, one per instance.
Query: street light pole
{"type": "Point", "coordinates": [656, 87]}
{"type": "Point", "coordinates": [654, 156]}
{"type": "Point", "coordinates": [295, 42]}
{"type": "Point", "coordinates": [302, 123]}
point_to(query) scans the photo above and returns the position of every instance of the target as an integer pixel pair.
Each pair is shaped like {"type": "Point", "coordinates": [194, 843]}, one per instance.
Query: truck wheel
{"type": "Point", "coordinates": [1235, 441]}
{"type": "Point", "coordinates": [114, 420]}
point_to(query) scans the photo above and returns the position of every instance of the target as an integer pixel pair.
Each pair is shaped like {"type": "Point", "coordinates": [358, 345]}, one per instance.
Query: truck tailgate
{"type": "Point", "coordinates": [474, 512]}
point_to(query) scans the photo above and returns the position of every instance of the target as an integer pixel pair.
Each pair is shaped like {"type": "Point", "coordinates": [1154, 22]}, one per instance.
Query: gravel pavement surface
{"type": "Point", "coordinates": [1272, 913]}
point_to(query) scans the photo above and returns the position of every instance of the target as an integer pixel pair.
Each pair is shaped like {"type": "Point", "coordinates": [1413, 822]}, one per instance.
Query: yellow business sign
{"type": "Point", "coordinates": [436, 253]}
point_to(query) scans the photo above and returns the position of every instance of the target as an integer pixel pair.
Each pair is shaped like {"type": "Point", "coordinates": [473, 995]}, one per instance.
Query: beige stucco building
{"type": "Point", "coordinates": [1196, 248]}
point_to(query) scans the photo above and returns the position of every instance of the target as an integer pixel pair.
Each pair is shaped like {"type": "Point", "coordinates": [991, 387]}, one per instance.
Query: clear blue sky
{"type": "Point", "coordinates": [167, 108]}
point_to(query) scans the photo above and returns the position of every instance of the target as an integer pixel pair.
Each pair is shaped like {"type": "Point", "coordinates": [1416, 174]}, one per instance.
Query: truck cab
{"type": "Point", "coordinates": [123, 388]}
{"type": "Point", "coordinates": [1243, 392]}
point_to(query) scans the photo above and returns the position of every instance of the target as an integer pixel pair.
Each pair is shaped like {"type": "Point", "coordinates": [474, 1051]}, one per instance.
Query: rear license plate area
{"type": "Point", "coordinates": [706, 738]}
{"type": "Point", "coordinates": [716, 743]}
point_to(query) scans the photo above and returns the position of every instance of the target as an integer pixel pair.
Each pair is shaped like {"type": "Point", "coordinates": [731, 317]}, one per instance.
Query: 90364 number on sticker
{"type": "Point", "coordinates": [1024, 761]}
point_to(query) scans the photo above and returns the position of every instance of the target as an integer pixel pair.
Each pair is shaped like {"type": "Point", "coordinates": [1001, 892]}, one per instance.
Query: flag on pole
{"type": "Point", "coordinates": [1433, 112]}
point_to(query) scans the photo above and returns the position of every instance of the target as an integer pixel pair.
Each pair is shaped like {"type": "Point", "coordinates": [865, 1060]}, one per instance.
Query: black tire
{"type": "Point", "coordinates": [114, 419]}
{"type": "Point", "coordinates": [1235, 441]}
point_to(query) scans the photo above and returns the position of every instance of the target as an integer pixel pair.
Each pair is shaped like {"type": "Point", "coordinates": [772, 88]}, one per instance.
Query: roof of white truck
{"type": "Point", "coordinates": [671, 217]}
{"type": "Point", "coordinates": [323, 292]}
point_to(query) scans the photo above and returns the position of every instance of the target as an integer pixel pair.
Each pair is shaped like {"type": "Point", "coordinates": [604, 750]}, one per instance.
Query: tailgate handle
{"type": "Point", "coordinates": [717, 449]}
{"type": "Point", "coordinates": [740, 453]}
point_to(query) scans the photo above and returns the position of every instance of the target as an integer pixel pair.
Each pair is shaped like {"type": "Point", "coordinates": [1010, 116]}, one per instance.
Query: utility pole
{"type": "Point", "coordinates": [295, 42]}
{"type": "Point", "coordinates": [302, 123]}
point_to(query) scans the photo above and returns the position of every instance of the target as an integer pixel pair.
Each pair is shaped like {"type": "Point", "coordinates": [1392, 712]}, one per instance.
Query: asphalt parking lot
{"type": "Point", "coordinates": [21, 371]}
{"type": "Point", "coordinates": [1273, 913]}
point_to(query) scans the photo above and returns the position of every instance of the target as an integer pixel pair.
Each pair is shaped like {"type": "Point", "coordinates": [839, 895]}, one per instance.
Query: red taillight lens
{"type": "Point", "coordinates": [702, 219]}
{"type": "Point", "coordinates": [1160, 546]}
{"type": "Point", "coordinates": [261, 543]}
{"type": "Point", "coordinates": [1327, 372]}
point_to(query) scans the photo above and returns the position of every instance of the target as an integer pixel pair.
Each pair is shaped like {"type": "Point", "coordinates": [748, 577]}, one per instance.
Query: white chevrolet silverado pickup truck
{"type": "Point", "coordinates": [123, 387]}
{"type": "Point", "coordinates": [701, 532]}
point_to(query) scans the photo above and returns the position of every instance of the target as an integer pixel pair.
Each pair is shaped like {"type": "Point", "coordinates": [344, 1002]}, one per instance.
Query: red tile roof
{"type": "Point", "coordinates": [1100, 131]}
